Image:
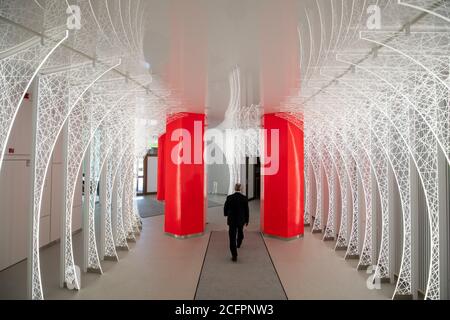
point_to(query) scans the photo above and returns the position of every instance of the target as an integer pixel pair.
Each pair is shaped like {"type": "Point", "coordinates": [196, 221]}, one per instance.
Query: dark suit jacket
{"type": "Point", "coordinates": [236, 209]}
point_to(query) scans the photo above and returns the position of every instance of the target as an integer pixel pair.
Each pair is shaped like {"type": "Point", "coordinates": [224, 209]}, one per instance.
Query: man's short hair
{"type": "Point", "coordinates": [237, 187]}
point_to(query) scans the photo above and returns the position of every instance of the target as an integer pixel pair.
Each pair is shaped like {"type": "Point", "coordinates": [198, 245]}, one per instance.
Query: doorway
{"type": "Point", "coordinates": [253, 178]}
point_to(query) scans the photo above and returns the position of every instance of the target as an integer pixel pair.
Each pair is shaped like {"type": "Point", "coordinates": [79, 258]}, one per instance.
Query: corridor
{"type": "Point", "coordinates": [173, 269]}
{"type": "Point", "coordinates": [126, 124]}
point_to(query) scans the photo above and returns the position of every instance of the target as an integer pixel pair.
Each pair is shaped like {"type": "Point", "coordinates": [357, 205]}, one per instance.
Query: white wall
{"type": "Point", "coordinates": [152, 174]}
{"type": "Point", "coordinates": [15, 199]}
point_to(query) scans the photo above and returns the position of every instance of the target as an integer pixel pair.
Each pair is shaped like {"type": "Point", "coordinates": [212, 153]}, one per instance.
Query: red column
{"type": "Point", "coordinates": [282, 196]}
{"type": "Point", "coordinates": [184, 175]}
{"type": "Point", "coordinates": [161, 170]}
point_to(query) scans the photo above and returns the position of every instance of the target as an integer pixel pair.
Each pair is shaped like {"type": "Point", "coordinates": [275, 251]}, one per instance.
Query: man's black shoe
{"type": "Point", "coordinates": [234, 259]}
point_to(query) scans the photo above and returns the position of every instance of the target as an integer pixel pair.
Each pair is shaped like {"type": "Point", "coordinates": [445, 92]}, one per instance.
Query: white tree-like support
{"type": "Point", "coordinates": [306, 215]}
{"type": "Point", "coordinates": [329, 233]}
{"type": "Point", "coordinates": [110, 149]}
{"type": "Point", "coordinates": [114, 185]}
{"type": "Point", "coordinates": [389, 90]}
{"type": "Point", "coordinates": [384, 106]}
{"type": "Point", "coordinates": [90, 113]}
{"type": "Point", "coordinates": [58, 94]}
{"type": "Point", "coordinates": [83, 122]}
{"type": "Point", "coordinates": [128, 197]}
{"type": "Point", "coordinates": [68, 95]}
{"type": "Point", "coordinates": [123, 192]}
{"type": "Point", "coordinates": [106, 138]}
{"type": "Point", "coordinates": [18, 67]}
{"type": "Point", "coordinates": [428, 131]}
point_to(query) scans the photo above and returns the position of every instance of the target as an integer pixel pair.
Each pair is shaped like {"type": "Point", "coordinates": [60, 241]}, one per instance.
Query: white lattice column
{"type": "Point", "coordinates": [317, 168]}
{"type": "Point", "coordinates": [306, 215]}
{"type": "Point", "coordinates": [91, 262]}
{"type": "Point", "coordinates": [398, 160]}
{"type": "Point", "coordinates": [128, 198]}
{"type": "Point", "coordinates": [327, 161]}
{"type": "Point", "coordinates": [97, 109]}
{"type": "Point", "coordinates": [107, 142]}
{"type": "Point", "coordinates": [110, 156]}
{"type": "Point", "coordinates": [343, 235]}
{"type": "Point", "coordinates": [137, 223]}
{"type": "Point", "coordinates": [430, 59]}
{"type": "Point", "coordinates": [18, 67]}
{"type": "Point", "coordinates": [367, 256]}
{"type": "Point", "coordinates": [425, 152]}
{"type": "Point", "coordinates": [118, 175]}
{"type": "Point", "coordinates": [353, 243]}
{"type": "Point", "coordinates": [79, 122]}
{"type": "Point", "coordinates": [58, 93]}
{"type": "Point", "coordinates": [124, 197]}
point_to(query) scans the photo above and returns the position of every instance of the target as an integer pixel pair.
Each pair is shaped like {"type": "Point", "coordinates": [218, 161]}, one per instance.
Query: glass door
{"type": "Point", "coordinates": [140, 177]}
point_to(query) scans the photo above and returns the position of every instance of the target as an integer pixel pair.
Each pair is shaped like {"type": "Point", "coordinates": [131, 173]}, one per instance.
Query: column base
{"type": "Point", "coordinates": [282, 238]}
{"type": "Point", "coordinates": [340, 248]}
{"type": "Point", "coordinates": [65, 286]}
{"type": "Point", "coordinates": [362, 267]}
{"type": "Point", "coordinates": [131, 239]}
{"type": "Point", "coordinates": [403, 297]}
{"type": "Point", "coordinates": [352, 257]}
{"type": "Point", "coordinates": [94, 270]}
{"type": "Point", "coordinates": [188, 236]}
{"type": "Point", "coordinates": [385, 280]}
{"type": "Point", "coordinates": [111, 258]}
{"type": "Point", "coordinates": [317, 231]}
{"type": "Point", "coordinates": [122, 248]}
{"type": "Point", "coordinates": [328, 239]}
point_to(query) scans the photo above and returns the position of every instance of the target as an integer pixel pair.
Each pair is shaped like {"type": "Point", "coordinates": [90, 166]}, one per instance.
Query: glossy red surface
{"type": "Point", "coordinates": [184, 182]}
{"type": "Point", "coordinates": [283, 193]}
{"type": "Point", "coordinates": [160, 188]}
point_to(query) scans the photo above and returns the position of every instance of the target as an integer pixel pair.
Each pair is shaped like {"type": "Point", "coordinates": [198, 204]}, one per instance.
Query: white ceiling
{"type": "Point", "coordinates": [193, 45]}
{"type": "Point", "coordinates": [213, 36]}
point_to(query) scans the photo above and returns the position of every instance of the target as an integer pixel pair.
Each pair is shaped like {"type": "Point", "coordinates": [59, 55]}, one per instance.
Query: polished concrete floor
{"type": "Point", "coordinates": [160, 267]}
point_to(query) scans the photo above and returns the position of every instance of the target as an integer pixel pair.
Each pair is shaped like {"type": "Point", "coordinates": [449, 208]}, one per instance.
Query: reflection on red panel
{"type": "Point", "coordinates": [283, 198]}
{"type": "Point", "coordinates": [161, 170]}
{"type": "Point", "coordinates": [184, 182]}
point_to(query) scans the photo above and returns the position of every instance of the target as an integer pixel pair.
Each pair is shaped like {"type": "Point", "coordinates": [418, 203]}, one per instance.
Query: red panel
{"type": "Point", "coordinates": [184, 182]}
{"type": "Point", "coordinates": [283, 199]}
{"type": "Point", "coordinates": [161, 170]}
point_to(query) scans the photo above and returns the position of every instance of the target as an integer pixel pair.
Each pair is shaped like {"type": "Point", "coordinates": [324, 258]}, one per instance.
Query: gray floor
{"type": "Point", "coordinates": [310, 268]}
{"type": "Point", "coordinates": [148, 206]}
{"type": "Point", "coordinates": [251, 277]}
{"type": "Point", "coordinates": [161, 267]}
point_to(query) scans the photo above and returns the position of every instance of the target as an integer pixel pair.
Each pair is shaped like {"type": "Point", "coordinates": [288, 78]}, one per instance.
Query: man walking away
{"type": "Point", "coordinates": [237, 213]}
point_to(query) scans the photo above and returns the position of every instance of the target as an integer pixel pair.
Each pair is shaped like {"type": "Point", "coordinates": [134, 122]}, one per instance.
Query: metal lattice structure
{"type": "Point", "coordinates": [88, 79]}
{"type": "Point", "coordinates": [381, 92]}
{"type": "Point", "coordinates": [373, 102]}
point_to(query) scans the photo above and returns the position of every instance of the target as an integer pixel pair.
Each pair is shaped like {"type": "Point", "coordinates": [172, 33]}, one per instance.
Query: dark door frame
{"type": "Point", "coordinates": [247, 167]}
